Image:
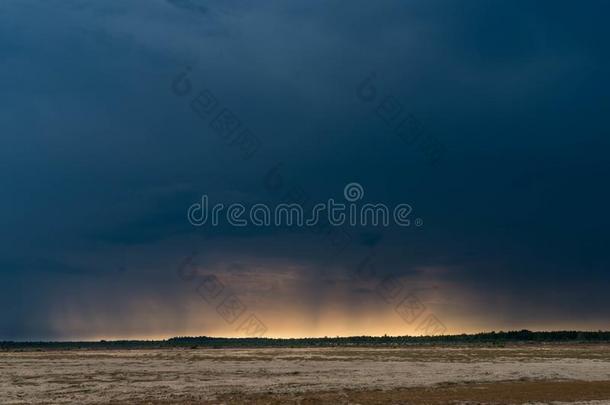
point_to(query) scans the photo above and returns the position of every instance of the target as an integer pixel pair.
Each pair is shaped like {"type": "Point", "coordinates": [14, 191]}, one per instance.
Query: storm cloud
{"type": "Point", "coordinates": [101, 158]}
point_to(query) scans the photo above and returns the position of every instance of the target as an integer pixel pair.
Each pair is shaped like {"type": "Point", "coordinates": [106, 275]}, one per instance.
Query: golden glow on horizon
{"type": "Point", "coordinates": [330, 324]}
{"type": "Point", "coordinates": [288, 312]}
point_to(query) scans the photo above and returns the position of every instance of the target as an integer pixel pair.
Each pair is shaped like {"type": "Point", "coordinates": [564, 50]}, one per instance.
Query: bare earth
{"type": "Point", "coordinates": [414, 375]}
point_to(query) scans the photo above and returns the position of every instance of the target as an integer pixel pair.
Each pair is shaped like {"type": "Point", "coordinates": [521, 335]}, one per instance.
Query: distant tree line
{"type": "Point", "coordinates": [488, 338]}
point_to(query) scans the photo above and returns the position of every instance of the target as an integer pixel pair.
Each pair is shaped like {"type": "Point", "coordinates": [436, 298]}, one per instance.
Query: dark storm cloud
{"type": "Point", "coordinates": [100, 159]}
{"type": "Point", "coordinates": [190, 5]}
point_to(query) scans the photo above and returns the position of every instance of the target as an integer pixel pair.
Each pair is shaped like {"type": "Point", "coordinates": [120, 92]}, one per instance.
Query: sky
{"type": "Point", "coordinates": [105, 143]}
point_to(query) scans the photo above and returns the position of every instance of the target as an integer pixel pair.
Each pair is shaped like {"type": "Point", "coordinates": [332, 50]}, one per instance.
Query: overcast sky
{"type": "Point", "coordinates": [101, 158]}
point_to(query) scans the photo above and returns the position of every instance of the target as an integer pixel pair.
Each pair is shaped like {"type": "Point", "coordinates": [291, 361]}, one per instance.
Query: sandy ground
{"type": "Point", "coordinates": [319, 375]}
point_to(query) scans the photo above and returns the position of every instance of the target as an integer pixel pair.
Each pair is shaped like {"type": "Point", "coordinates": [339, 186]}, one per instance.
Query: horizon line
{"type": "Point", "coordinates": [110, 340]}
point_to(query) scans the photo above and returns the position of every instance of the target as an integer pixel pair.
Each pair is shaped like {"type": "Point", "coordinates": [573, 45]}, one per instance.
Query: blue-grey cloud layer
{"type": "Point", "coordinates": [100, 159]}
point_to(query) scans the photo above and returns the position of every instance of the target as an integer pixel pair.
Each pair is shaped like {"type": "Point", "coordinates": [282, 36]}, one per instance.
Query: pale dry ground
{"type": "Point", "coordinates": [163, 376]}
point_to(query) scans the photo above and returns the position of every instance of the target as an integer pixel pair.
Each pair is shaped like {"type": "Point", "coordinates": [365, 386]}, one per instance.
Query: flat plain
{"type": "Point", "coordinates": [512, 374]}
